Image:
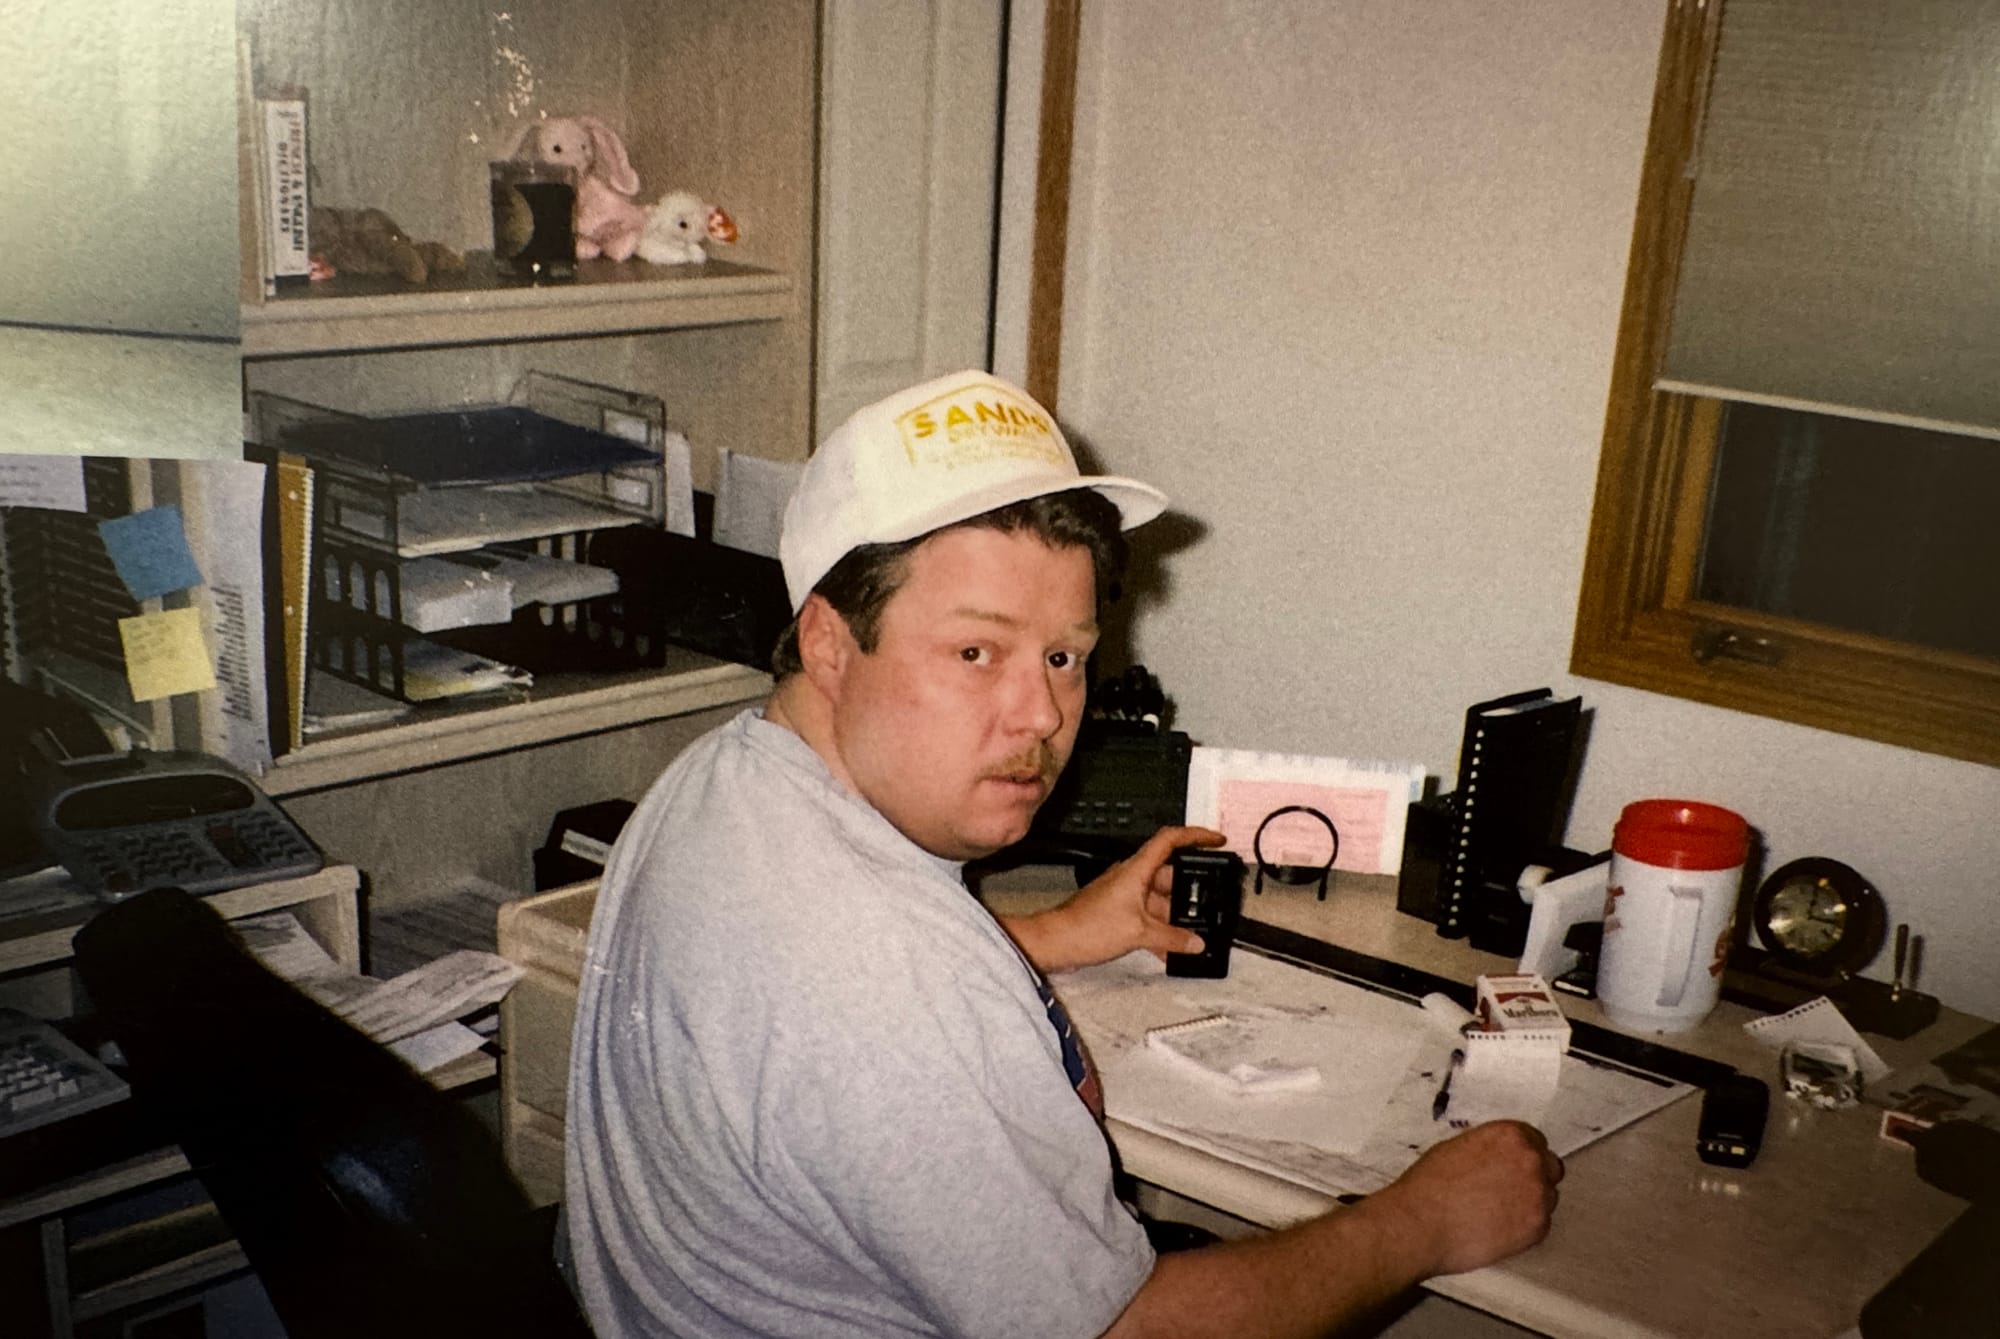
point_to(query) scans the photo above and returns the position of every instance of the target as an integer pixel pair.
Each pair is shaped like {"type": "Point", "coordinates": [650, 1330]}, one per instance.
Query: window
{"type": "Point", "coordinates": [1821, 555]}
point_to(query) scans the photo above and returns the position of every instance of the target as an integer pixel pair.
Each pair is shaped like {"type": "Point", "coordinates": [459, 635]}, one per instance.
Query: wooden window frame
{"type": "Point", "coordinates": [1638, 621]}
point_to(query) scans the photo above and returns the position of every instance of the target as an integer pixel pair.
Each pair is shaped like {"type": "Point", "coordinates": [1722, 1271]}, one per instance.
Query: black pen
{"type": "Point", "coordinates": [1443, 1098]}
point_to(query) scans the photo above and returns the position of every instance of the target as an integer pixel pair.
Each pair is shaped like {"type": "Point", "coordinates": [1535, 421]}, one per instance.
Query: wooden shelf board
{"type": "Point", "coordinates": [358, 314]}
{"type": "Point", "coordinates": [560, 707]}
{"type": "Point", "coordinates": [31, 941]}
{"type": "Point", "coordinates": [116, 1178]}
{"type": "Point", "coordinates": [137, 1262]}
{"type": "Point", "coordinates": [205, 1265]}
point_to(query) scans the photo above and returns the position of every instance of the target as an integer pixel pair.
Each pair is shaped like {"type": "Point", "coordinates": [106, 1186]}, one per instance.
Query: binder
{"type": "Point", "coordinates": [1512, 803]}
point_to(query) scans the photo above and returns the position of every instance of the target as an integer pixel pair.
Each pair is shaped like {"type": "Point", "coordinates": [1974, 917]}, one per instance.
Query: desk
{"type": "Point", "coordinates": [1649, 1242]}
{"type": "Point", "coordinates": [57, 1170]}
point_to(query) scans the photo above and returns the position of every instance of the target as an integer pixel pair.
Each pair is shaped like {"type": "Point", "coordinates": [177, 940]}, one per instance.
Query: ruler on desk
{"type": "Point", "coordinates": [1587, 1041]}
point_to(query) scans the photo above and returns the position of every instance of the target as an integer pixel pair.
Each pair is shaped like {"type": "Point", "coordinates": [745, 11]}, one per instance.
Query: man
{"type": "Point", "coordinates": [817, 1089]}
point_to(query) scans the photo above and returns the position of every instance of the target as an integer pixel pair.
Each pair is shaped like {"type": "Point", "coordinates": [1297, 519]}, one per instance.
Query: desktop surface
{"type": "Point", "coordinates": [1648, 1242]}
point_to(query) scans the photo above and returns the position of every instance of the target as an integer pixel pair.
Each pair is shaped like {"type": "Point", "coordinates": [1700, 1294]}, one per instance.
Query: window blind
{"type": "Point", "coordinates": [1843, 242]}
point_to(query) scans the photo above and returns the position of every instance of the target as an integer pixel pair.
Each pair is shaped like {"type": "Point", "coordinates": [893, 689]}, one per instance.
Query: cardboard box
{"type": "Point", "coordinates": [1521, 1005]}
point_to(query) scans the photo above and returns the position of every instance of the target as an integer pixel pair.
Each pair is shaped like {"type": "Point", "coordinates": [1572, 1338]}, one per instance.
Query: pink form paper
{"type": "Point", "coordinates": [1234, 792]}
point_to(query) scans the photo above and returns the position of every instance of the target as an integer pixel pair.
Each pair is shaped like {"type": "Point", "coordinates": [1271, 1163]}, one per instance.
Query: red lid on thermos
{"type": "Point", "coordinates": [1681, 834]}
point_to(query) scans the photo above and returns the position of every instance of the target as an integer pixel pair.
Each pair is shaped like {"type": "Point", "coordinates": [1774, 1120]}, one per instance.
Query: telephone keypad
{"type": "Point", "coordinates": [203, 858]}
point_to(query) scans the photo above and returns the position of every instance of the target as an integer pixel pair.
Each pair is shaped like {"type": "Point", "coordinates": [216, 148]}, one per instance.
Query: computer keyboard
{"type": "Point", "coordinates": [44, 1076]}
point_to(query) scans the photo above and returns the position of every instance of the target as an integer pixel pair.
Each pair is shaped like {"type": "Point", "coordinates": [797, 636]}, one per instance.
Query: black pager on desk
{"type": "Point", "coordinates": [1207, 896]}
{"type": "Point", "coordinates": [1732, 1121]}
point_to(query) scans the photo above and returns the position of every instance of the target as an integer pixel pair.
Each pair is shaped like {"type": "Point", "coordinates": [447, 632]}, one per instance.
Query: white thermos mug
{"type": "Point", "coordinates": [1669, 906]}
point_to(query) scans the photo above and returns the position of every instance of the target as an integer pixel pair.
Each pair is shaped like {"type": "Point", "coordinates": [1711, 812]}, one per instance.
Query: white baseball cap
{"type": "Point", "coordinates": [928, 457]}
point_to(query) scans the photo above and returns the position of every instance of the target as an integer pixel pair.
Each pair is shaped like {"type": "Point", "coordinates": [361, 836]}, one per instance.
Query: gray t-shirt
{"type": "Point", "coordinates": [815, 1090]}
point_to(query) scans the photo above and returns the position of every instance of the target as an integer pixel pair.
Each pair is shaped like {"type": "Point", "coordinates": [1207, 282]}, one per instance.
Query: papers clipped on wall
{"type": "Point", "coordinates": [1235, 790]}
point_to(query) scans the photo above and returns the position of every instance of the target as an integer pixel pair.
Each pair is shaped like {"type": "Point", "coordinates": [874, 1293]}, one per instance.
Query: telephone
{"type": "Point", "coordinates": [121, 823]}
{"type": "Point", "coordinates": [37, 726]}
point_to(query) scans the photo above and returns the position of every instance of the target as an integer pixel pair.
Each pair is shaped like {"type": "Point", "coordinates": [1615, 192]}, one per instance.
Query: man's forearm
{"type": "Point", "coordinates": [1042, 937]}
{"type": "Point", "coordinates": [1304, 1281]}
{"type": "Point", "coordinates": [1476, 1198]}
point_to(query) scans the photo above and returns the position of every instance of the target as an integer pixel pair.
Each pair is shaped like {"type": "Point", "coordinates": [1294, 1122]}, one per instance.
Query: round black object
{"type": "Point", "coordinates": [1819, 916]}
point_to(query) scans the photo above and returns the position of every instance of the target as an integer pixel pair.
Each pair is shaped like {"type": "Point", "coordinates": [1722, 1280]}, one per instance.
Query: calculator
{"type": "Point", "coordinates": [183, 820]}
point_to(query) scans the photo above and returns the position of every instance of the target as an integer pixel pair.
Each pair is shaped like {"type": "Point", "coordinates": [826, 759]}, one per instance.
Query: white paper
{"type": "Point", "coordinates": [1505, 1076]}
{"type": "Point", "coordinates": [1113, 1004]}
{"type": "Point", "coordinates": [750, 498]}
{"type": "Point", "coordinates": [1360, 1062]}
{"type": "Point", "coordinates": [1244, 1053]}
{"type": "Point", "coordinates": [443, 593]}
{"type": "Point", "coordinates": [1817, 1020]}
{"type": "Point", "coordinates": [339, 704]}
{"type": "Point", "coordinates": [536, 578]}
{"type": "Point", "coordinates": [455, 520]}
{"type": "Point", "coordinates": [438, 992]}
{"type": "Point", "coordinates": [418, 1008]}
{"type": "Point", "coordinates": [51, 482]}
{"type": "Point", "coordinates": [678, 463]}
{"type": "Point", "coordinates": [223, 506]}
{"type": "Point", "coordinates": [432, 670]}
{"type": "Point", "coordinates": [434, 1048]}
{"type": "Point", "coordinates": [282, 944]}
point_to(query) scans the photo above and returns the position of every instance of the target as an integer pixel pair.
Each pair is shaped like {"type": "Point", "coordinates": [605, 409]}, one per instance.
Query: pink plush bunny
{"type": "Point", "coordinates": [608, 221]}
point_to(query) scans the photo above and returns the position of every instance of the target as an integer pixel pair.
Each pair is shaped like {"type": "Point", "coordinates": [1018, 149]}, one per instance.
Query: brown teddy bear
{"type": "Point", "coordinates": [367, 241]}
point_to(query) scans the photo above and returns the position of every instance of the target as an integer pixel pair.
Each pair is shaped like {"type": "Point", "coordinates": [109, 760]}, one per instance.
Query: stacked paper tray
{"type": "Point", "coordinates": [524, 484]}
{"type": "Point", "coordinates": [424, 484]}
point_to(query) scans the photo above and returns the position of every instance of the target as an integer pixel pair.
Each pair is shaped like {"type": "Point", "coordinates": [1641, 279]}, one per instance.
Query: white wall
{"type": "Point", "coordinates": [118, 210]}
{"type": "Point", "coordinates": [119, 165]}
{"type": "Point", "coordinates": [1345, 279]}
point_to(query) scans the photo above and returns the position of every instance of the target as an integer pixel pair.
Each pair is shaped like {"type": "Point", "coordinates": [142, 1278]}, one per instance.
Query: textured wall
{"type": "Point", "coordinates": [118, 165]}
{"type": "Point", "coordinates": [1345, 281]}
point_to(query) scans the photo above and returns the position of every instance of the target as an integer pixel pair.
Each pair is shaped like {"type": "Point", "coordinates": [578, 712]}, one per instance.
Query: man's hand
{"type": "Point", "coordinates": [1477, 1198]}
{"type": "Point", "coordinates": [1121, 909]}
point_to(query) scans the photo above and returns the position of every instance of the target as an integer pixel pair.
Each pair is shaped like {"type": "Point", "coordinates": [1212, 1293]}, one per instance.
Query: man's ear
{"type": "Point", "coordinates": [826, 646]}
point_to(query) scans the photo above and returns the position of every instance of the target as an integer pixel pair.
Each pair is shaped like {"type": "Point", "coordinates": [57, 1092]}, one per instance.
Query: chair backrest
{"type": "Point", "coordinates": [367, 1201]}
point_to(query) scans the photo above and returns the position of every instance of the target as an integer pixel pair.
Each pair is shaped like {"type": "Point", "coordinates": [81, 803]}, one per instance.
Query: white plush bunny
{"type": "Point", "coordinates": [678, 227]}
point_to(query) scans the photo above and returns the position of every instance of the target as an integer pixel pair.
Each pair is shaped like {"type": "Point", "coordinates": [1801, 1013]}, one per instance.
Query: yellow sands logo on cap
{"type": "Point", "coordinates": [976, 424]}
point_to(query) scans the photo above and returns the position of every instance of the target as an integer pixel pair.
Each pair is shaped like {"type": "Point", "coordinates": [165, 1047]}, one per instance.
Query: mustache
{"type": "Point", "coordinates": [1041, 760]}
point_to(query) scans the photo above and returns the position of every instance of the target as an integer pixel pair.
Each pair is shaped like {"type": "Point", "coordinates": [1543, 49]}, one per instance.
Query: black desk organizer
{"type": "Point", "coordinates": [573, 449]}
{"type": "Point", "coordinates": [695, 593]}
{"type": "Point", "coordinates": [672, 590]}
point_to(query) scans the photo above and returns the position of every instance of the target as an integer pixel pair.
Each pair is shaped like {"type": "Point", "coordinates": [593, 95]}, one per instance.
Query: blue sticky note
{"type": "Point", "coordinates": [150, 550]}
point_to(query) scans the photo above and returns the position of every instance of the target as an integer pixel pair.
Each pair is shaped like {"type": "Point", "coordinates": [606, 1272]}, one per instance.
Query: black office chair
{"type": "Point", "coordinates": [1948, 1288]}
{"type": "Point", "coordinates": [367, 1201]}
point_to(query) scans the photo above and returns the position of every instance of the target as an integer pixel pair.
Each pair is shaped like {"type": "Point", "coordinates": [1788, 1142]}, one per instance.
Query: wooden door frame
{"type": "Point", "coordinates": [1055, 145]}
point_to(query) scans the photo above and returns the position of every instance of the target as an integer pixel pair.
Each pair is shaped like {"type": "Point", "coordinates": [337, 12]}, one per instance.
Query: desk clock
{"type": "Point", "coordinates": [1820, 923]}
{"type": "Point", "coordinates": [1818, 916]}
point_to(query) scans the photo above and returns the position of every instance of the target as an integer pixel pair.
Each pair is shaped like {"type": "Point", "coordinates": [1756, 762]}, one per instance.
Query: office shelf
{"type": "Point", "coordinates": [354, 315]}
{"type": "Point", "coordinates": [561, 706]}
{"type": "Point", "coordinates": [144, 1261]}
{"type": "Point", "coordinates": [323, 901]}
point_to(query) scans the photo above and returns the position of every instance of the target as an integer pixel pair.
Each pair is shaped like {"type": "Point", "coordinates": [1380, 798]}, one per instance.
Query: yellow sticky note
{"type": "Point", "coordinates": [165, 654]}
